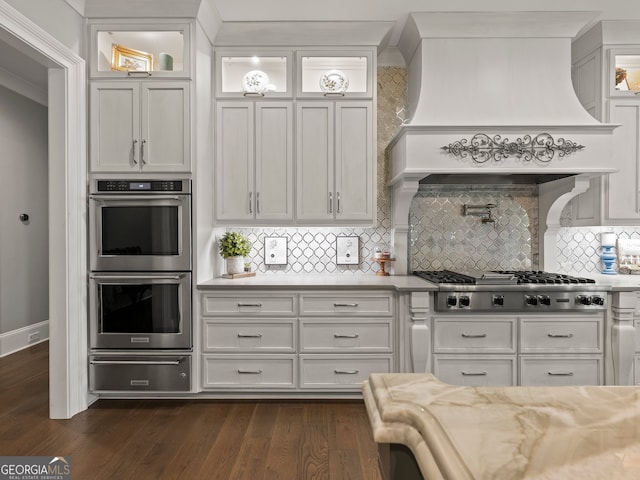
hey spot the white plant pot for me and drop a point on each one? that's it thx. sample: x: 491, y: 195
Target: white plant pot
x: 235, y: 264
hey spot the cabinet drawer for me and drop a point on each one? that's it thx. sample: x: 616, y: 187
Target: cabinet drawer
x: 133, y: 373
x: 262, y: 304
x: 336, y: 335
x: 340, y: 304
x: 249, y: 336
x: 250, y: 371
x: 341, y: 372
x: 475, y: 370
x: 474, y: 336
x: 555, y: 370
x: 561, y: 336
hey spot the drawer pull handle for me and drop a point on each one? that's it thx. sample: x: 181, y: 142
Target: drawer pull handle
x: 249, y: 372
x: 139, y: 383
x: 345, y: 304
x: 346, y: 372
x: 249, y: 304
x: 249, y: 335
x: 560, y: 335
x: 474, y: 335
x: 135, y: 362
x: 474, y: 374
x: 342, y: 335
x: 560, y: 374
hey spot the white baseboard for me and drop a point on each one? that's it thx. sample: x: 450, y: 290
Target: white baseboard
x: 22, y: 338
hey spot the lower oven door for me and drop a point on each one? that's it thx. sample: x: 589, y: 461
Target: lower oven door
x: 158, y: 373
x: 140, y: 311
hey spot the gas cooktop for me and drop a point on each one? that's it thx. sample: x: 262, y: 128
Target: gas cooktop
x: 513, y: 291
x: 501, y: 277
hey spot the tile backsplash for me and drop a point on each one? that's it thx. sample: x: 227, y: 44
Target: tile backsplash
x: 578, y: 248
x: 441, y: 237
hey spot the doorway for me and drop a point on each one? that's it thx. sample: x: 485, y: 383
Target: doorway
x: 67, y: 208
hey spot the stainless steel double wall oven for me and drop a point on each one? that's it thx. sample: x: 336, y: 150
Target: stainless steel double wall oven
x: 140, y: 287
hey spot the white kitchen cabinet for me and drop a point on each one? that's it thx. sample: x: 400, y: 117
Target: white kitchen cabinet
x: 606, y: 79
x: 622, y: 203
x: 511, y: 349
x: 476, y: 370
x: 134, y: 48
x: 254, y: 162
x: 324, y: 341
x: 334, y: 162
x: 242, y: 72
x: 140, y: 126
x: 335, y: 73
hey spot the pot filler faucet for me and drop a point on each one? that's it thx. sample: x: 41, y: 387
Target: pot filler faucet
x: 482, y: 211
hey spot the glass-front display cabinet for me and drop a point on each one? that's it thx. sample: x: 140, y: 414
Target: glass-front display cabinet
x: 253, y: 74
x: 140, y: 50
x: 625, y: 72
x: 335, y: 74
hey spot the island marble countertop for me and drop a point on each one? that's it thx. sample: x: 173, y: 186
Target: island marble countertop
x: 507, y: 433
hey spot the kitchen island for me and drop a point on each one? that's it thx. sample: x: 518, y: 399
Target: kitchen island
x: 504, y: 432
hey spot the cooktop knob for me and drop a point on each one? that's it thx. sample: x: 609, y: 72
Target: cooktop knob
x: 452, y: 301
x: 597, y: 300
x: 497, y: 300
x: 465, y: 301
x: 531, y: 300
x: 583, y: 300
x: 544, y: 300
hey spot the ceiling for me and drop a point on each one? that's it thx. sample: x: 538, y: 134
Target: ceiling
x: 397, y: 11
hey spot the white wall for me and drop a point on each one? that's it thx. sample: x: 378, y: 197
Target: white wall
x: 24, y: 260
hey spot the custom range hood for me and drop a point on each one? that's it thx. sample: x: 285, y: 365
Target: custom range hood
x: 490, y: 100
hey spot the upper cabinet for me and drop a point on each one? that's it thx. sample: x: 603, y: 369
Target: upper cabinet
x: 250, y: 73
x: 295, y: 136
x: 606, y: 78
x: 334, y: 74
x: 126, y: 49
x: 140, y: 126
x: 624, y: 72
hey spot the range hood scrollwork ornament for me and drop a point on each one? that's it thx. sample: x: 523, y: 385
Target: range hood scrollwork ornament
x: 541, y: 148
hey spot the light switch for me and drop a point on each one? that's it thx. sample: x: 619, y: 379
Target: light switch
x: 275, y: 251
x: 347, y: 250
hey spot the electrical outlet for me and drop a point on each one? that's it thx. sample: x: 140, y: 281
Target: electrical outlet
x: 34, y: 337
x: 347, y: 250
x: 275, y: 251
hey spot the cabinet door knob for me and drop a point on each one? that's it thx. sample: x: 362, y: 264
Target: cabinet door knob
x: 330, y: 202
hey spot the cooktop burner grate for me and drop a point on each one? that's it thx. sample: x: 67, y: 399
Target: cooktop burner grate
x: 523, y: 277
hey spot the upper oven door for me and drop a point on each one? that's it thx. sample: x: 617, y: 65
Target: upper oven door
x: 137, y: 232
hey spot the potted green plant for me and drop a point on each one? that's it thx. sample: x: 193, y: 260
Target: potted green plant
x: 234, y: 246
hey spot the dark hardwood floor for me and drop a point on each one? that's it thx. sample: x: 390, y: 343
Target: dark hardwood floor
x: 175, y: 439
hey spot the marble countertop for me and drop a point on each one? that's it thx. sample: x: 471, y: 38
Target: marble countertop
x: 395, y: 282
x: 506, y: 433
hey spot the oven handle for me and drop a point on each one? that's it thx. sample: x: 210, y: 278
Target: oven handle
x: 133, y: 197
x: 135, y: 362
x: 137, y: 277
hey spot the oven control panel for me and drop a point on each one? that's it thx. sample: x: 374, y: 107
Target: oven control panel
x: 141, y: 186
x: 545, y: 301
